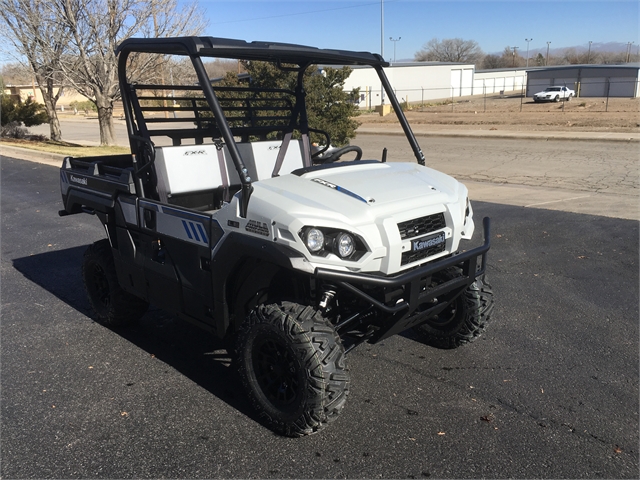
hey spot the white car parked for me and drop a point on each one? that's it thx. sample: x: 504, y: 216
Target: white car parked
x: 554, y: 94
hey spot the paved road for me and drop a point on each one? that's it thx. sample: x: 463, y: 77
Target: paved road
x: 550, y: 391
x: 85, y: 131
x: 594, y: 177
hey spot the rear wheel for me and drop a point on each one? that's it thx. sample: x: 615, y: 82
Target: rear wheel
x: 463, y: 320
x: 292, y: 365
x: 112, y: 305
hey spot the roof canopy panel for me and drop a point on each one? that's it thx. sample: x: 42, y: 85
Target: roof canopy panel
x: 242, y: 50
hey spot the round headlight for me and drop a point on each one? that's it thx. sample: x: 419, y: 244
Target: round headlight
x: 315, y: 240
x: 345, y: 245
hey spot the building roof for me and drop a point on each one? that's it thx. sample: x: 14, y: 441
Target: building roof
x: 630, y: 66
x: 417, y: 64
x: 509, y: 69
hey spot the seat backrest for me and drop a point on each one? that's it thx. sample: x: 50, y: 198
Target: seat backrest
x: 187, y: 168
x: 260, y: 159
x: 194, y: 168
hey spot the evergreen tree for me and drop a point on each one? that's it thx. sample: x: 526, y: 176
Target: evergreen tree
x: 329, y: 107
x: 29, y: 113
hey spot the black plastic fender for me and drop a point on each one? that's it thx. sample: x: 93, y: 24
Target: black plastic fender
x: 240, y: 257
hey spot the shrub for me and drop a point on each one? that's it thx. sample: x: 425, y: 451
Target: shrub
x: 85, y: 106
x: 30, y: 113
x: 13, y: 130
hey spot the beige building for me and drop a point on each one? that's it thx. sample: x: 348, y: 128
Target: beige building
x: 24, y: 92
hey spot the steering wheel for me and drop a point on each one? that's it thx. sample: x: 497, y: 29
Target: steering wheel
x: 336, y: 154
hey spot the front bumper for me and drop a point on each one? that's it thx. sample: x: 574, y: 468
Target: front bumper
x: 419, y: 301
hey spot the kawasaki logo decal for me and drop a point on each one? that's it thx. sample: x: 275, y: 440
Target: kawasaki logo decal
x: 81, y: 181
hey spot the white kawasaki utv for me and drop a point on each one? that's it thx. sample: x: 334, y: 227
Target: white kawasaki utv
x: 226, y: 215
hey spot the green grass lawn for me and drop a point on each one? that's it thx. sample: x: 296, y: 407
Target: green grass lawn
x: 63, y: 148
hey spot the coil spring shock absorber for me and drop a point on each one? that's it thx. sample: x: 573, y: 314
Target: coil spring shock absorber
x: 326, y: 299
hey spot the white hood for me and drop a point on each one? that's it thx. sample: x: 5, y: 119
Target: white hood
x: 367, y: 199
x: 366, y: 190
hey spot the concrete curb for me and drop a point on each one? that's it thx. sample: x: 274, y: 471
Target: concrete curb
x: 53, y: 159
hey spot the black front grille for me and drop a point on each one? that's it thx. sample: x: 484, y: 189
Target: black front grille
x: 421, y: 226
x: 409, y: 257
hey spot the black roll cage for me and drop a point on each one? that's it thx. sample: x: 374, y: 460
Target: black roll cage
x: 284, y: 55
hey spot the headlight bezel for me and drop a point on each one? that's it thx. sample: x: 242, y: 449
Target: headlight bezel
x: 332, y: 238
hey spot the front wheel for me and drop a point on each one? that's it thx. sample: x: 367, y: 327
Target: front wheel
x: 113, y: 306
x: 463, y: 320
x: 292, y: 365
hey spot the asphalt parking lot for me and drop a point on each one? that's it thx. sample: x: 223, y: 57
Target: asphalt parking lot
x: 550, y: 391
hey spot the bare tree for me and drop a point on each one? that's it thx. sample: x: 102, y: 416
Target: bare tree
x: 30, y: 26
x: 571, y: 56
x: 490, y: 62
x: 218, y: 68
x: 16, y: 73
x: 98, y: 26
x: 450, y: 50
x: 511, y: 58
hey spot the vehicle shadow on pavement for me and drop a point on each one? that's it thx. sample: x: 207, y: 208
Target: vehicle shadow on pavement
x: 201, y: 358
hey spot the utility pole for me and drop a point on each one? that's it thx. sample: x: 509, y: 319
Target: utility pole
x: 528, y: 40
x: 394, y: 46
x: 589, y: 53
x: 629, y: 50
x: 547, y: 62
x: 382, y: 28
x: 382, y: 44
x: 514, y: 56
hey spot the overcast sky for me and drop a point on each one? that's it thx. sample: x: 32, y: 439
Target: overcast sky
x: 355, y: 24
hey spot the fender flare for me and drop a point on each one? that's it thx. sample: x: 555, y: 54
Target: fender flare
x: 238, y: 258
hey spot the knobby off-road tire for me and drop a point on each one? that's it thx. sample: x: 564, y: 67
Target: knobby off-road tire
x: 113, y: 306
x: 464, y: 320
x: 292, y: 365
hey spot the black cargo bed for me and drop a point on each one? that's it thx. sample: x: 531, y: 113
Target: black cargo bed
x: 93, y: 183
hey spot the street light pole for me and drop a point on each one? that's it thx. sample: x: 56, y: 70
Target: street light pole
x: 528, y: 40
x: 394, y: 46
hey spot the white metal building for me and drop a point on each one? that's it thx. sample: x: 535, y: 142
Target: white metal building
x: 413, y: 82
x: 422, y: 82
x: 498, y: 80
x: 588, y: 80
x: 427, y: 81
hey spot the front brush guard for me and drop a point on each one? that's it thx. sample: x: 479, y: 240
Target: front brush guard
x: 419, y: 299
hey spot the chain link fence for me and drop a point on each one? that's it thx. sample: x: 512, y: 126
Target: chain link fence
x: 604, y: 96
